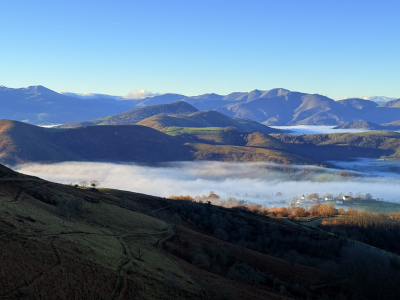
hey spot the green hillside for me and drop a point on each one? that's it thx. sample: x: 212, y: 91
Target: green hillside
x: 205, y: 119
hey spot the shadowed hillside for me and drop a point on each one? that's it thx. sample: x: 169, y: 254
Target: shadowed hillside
x: 73, y: 242
x: 20, y: 142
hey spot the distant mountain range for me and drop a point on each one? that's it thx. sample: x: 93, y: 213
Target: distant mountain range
x: 376, y: 99
x: 39, y: 105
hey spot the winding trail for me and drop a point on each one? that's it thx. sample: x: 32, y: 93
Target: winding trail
x: 121, y: 286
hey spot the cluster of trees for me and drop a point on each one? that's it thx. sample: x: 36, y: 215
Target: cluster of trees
x: 84, y: 183
x: 376, y: 229
x: 223, y: 261
x: 318, y: 210
x: 214, y: 199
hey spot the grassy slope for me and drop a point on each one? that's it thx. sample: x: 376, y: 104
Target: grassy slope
x: 205, y: 119
x: 95, y: 255
x: 246, y: 154
x: 175, y: 130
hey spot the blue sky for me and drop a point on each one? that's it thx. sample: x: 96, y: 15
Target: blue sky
x: 334, y: 48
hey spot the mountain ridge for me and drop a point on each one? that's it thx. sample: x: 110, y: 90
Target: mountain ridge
x: 39, y: 105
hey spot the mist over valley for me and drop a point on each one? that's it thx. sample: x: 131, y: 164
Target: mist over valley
x: 263, y: 183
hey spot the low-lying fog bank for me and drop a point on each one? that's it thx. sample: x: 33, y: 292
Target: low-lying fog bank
x: 255, y: 182
x: 315, y: 129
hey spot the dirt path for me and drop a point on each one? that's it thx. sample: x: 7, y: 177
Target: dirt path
x: 158, y: 209
x: 129, y: 259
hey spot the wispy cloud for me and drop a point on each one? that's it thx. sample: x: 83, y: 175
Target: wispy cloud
x: 140, y: 94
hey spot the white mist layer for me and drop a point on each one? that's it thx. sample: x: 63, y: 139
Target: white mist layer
x: 316, y: 129
x: 255, y: 182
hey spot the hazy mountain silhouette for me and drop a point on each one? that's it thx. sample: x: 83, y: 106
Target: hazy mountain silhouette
x: 39, y: 105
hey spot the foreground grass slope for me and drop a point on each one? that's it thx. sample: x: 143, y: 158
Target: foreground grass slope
x: 65, y: 242
x: 110, y: 246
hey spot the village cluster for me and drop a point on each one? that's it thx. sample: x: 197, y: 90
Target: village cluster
x: 315, y: 199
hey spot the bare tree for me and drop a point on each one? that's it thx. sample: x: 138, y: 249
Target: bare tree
x: 94, y: 183
x: 83, y: 183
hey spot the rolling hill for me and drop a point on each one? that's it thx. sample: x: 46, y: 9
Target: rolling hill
x: 21, y: 143
x: 205, y: 119
x: 136, y: 115
x: 345, y: 146
x: 360, y: 125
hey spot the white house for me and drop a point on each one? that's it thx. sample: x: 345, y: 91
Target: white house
x: 328, y: 198
x: 346, y: 198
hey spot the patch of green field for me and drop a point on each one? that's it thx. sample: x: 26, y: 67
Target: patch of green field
x: 174, y: 130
